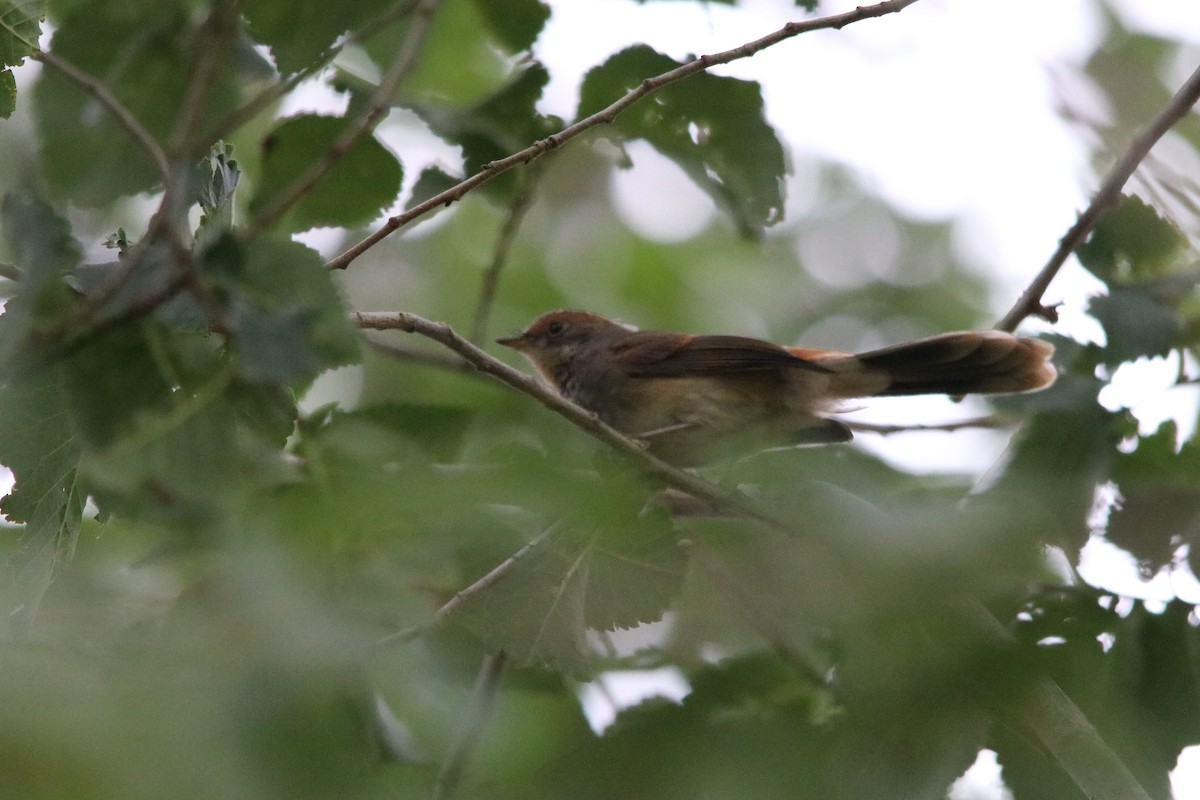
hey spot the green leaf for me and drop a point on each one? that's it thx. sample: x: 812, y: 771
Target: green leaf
x: 299, y: 32
x: 462, y: 61
x: 47, y: 252
x: 20, y: 28
x: 502, y: 124
x: 219, y: 182
x: 431, y: 182
x: 539, y: 611
x: 1137, y: 322
x: 288, y: 321
x: 515, y: 24
x: 364, y: 181
x: 713, y: 127
x: 39, y: 446
x: 144, y: 54
x: 1159, y: 506
x: 1130, y: 241
x: 8, y: 93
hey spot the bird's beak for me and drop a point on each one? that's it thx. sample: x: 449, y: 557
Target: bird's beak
x: 516, y: 341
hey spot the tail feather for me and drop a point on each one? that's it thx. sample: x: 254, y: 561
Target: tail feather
x: 982, y: 362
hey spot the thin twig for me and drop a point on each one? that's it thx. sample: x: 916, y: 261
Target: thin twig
x: 209, y: 49
x: 728, y: 499
x: 360, y: 127
x: 101, y: 93
x: 487, y: 686
x: 429, y: 358
x: 466, y: 593
x: 504, y: 239
x: 1030, y: 302
x: 991, y: 421
x: 607, y: 115
x: 264, y: 99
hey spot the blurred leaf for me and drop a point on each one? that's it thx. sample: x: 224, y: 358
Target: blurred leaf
x: 364, y: 181
x: 8, y: 93
x: 577, y: 579
x: 47, y: 252
x: 39, y: 446
x: 1159, y: 505
x: 498, y: 126
x: 713, y: 127
x: 431, y: 182
x: 464, y: 53
x: 299, y: 32
x: 1130, y: 241
x: 85, y: 153
x: 515, y: 24
x: 288, y: 322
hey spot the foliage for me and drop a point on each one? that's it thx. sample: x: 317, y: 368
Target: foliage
x: 213, y: 589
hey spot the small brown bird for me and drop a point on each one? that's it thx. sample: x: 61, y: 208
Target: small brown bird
x: 694, y: 398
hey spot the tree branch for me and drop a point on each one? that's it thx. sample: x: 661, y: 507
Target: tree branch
x: 377, y: 109
x: 607, y: 115
x: 992, y: 421
x: 124, y: 117
x: 1030, y: 302
x: 718, y: 497
x: 487, y: 686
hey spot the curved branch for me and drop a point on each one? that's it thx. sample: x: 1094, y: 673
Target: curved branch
x: 607, y: 115
x: 1030, y: 302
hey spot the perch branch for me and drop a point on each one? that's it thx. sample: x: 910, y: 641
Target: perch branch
x: 1030, y: 302
x: 442, y: 333
x: 607, y: 115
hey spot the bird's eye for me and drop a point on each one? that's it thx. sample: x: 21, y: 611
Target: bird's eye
x: 556, y: 328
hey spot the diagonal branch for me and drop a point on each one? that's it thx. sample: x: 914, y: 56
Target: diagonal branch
x: 718, y: 497
x: 104, y: 96
x: 1030, y: 302
x: 607, y: 115
x: 360, y: 127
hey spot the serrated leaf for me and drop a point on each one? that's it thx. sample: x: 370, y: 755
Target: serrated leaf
x: 539, y: 611
x: 39, y: 446
x: 1130, y: 241
x: 363, y: 183
x: 20, y: 28
x: 1159, y: 505
x: 713, y: 127
x: 288, y: 321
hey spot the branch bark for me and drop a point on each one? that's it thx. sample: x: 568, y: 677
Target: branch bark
x: 1030, y: 302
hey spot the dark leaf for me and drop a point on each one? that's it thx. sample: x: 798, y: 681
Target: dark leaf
x: 713, y: 127
x: 514, y: 23
x: 288, y: 321
x: 1130, y: 241
x: 364, y: 181
x: 299, y: 32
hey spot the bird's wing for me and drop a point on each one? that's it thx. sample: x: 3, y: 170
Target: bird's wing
x: 658, y: 356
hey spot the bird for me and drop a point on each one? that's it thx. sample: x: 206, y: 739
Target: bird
x: 697, y: 398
